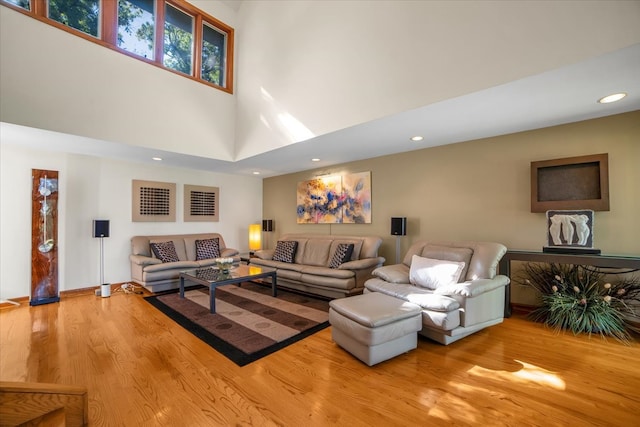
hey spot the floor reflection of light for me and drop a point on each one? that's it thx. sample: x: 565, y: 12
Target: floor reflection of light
x: 527, y: 374
x: 436, y: 400
x: 439, y: 403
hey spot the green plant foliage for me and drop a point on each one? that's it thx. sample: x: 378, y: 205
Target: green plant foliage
x: 576, y: 298
x: 83, y: 15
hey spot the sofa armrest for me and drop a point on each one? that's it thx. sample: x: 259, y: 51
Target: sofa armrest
x: 396, y: 273
x: 144, y: 260
x: 264, y: 253
x: 361, y: 264
x: 473, y: 288
x: 229, y: 252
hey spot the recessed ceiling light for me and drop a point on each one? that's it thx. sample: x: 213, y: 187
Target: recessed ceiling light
x: 416, y: 138
x: 157, y: 159
x: 612, y: 98
x: 315, y: 160
x: 256, y: 173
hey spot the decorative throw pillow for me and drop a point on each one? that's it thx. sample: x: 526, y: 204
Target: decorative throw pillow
x: 431, y: 273
x: 341, y: 255
x: 207, y: 249
x: 165, y: 251
x: 285, y: 250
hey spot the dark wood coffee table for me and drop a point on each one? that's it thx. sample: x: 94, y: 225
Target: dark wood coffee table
x: 212, y: 277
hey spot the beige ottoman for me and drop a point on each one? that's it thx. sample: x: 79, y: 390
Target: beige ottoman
x: 375, y: 327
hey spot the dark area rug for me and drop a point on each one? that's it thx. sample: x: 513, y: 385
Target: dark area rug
x: 249, y: 323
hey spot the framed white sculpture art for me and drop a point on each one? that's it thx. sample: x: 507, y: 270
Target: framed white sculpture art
x: 570, y: 231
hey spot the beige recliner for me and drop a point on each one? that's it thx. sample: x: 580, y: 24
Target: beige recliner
x: 454, y: 283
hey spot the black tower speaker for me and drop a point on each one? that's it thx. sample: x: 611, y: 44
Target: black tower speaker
x: 100, y: 228
x: 267, y: 225
x: 399, y: 226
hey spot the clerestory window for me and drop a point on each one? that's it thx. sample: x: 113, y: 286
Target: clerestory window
x: 171, y: 34
x: 137, y: 27
x: 214, y: 47
x: 24, y: 4
x: 82, y: 15
x: 178, y: 40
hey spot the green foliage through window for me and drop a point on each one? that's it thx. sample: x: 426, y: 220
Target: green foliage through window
x: 213, y: 48
x: 136, y: 27
x: 83, y: 15
x: 178, y: 40
x: 25, y: 4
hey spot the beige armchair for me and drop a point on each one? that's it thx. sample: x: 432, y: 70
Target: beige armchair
x: 454, y: 283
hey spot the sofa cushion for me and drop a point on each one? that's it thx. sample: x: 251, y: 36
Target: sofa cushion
x: 207, y: 249
x: 341, y: 255
x: 423, y: 297
x: 285, y: 250
x: 394, y: 273
x: 178, y: 244
x: 357, y: 246
x: 165, y: 251
x: 327, y: 272
x: 314, y: 252
x: 442, y: 320
x: 432, y: 273
x: 279, y: 265
x: 341, y: 283
x: 449, y: 253
x: 175, y: 267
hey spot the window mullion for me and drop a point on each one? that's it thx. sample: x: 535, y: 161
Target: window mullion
x: 110, y: 21
x: 159, y: 41
x: 197, y: 47
x: 39, y: 8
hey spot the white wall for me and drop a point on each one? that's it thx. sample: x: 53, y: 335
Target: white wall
x: 50, y: 79
x: 303, y: 68
x: 97, y: 188
x: 308, y: 68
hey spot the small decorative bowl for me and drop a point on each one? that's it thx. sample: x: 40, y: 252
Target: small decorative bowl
x: 224, y: 264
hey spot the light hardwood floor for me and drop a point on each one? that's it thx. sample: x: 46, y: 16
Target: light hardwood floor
x: 142, y: 369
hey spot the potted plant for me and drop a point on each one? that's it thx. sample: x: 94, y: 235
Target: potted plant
x: 577, y: 298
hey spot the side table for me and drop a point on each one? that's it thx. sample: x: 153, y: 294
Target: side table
x: 605, y: 261
x: 246, y: 257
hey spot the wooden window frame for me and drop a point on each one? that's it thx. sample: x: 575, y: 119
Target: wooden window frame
x: 109, y: 31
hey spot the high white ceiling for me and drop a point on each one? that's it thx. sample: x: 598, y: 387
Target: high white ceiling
x: 564, y: 95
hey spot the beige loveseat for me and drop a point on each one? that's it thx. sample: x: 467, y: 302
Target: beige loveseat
x: 451, y: 311
x: 149, y: 271
x: 310, y: 271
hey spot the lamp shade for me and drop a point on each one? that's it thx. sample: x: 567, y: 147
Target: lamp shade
x: 255, y: 234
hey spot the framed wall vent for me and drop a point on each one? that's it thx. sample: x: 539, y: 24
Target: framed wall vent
x: 571, y: 183
x: 201, y: 203
x: 153, y: 201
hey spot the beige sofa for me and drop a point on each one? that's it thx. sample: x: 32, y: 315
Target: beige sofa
x: 310, y: 271
x: 451, y: 311
x: 149, y: 271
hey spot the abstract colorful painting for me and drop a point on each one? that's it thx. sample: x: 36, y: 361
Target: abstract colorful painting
x: 335, y: 199
x: 319, y: 200
x: 356, y: 191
